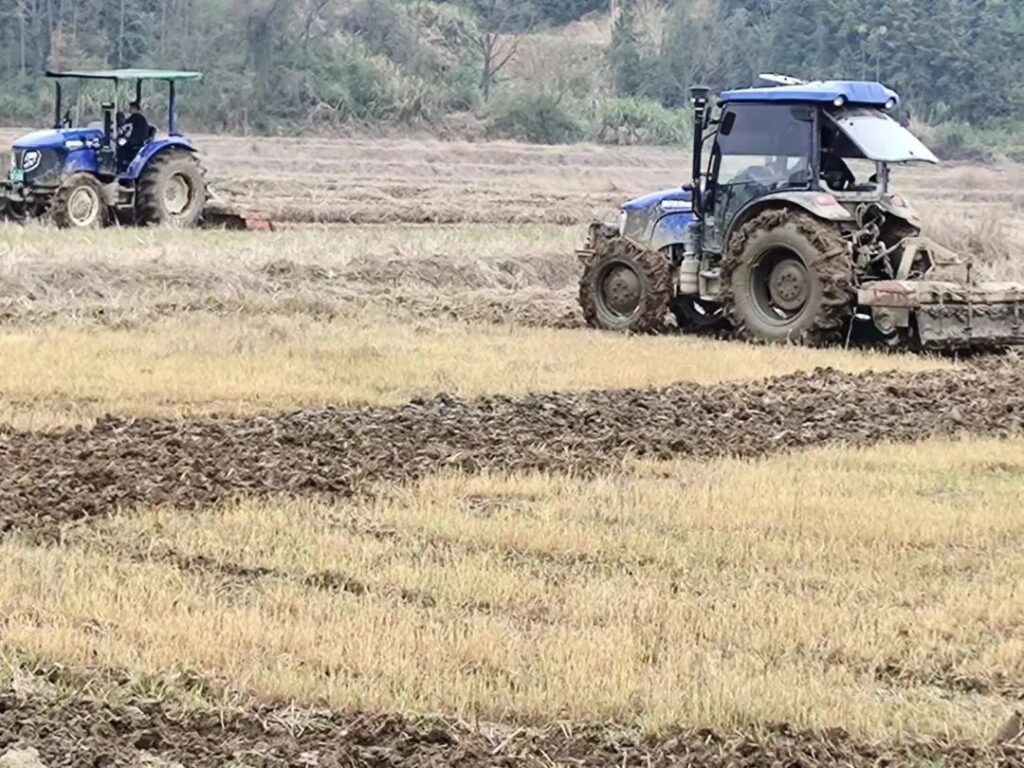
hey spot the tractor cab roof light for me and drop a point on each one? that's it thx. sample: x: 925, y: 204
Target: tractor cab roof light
x: 891, y: 104
x: 840, y: 101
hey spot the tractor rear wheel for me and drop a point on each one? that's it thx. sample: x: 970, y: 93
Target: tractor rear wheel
x: 787, y: 277
x: 626, y: 287
x: 79, y: 204
x: 171, y: 191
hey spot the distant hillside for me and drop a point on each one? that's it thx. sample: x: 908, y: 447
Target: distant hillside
x: 537, y: 70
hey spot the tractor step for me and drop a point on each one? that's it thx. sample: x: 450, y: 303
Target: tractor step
x: 949, y: 315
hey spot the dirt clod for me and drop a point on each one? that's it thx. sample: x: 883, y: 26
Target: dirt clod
x: 21, y: 758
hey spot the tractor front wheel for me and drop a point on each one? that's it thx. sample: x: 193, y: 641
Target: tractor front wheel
x: 79, y: 204
x: 787, y: 277
x: 626, y: 287
x: 171, y: 191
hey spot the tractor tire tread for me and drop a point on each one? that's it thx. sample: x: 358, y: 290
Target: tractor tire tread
x: 651, y: 318
x: 149, y: 211
x: 57, y: 211
x: 832, y: 265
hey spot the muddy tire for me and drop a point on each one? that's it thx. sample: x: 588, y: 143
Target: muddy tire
x: 171, y: 191
x: 626, y: 288
x: 79, y: 204
x: 787, y: 278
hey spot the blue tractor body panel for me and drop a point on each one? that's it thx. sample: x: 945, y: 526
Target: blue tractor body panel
x: 660, y: 219
x: 48, y: 157
x: 851, y: 91
x: 81, y: 161
x: 151, y: 150
x: 671, y: 230
x: 66, y: 138
x: 44, y: 158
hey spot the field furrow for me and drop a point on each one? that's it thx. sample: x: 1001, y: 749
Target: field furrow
x: 125, y: 462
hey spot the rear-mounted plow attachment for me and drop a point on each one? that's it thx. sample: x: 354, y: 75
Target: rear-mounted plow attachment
x: 940, y: 312
x: 218, y: 214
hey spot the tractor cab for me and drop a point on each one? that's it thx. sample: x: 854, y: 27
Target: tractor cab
x: 818, y: 145
x: 84, y: 175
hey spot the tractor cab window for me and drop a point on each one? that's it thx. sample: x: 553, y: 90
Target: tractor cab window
x: 857, y: 143
x: 872, y: 134
x: 760, y: 149
x: 773, y: 172
x: 843, y: 167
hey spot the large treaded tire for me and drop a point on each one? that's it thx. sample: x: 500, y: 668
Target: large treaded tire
x: 654, y: 274
x: 79, y: 204
x: 171, y: 166
x: 828, y: 311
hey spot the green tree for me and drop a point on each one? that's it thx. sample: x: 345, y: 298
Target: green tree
x: 626, y: 55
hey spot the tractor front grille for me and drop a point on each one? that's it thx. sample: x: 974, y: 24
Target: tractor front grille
x: 42, y: 167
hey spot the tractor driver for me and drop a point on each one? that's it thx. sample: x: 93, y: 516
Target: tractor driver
x: 834, y: 170
x: 132, y: 134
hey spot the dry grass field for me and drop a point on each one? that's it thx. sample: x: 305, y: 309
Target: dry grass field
x: 879, y: 589
x: 363, y: 491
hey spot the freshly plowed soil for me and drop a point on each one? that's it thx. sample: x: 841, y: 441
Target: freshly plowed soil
x: 52, y: 478
x: 90, y: 734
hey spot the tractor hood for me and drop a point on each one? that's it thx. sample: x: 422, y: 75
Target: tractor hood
x: 66, y: 138
x: 677, y: 199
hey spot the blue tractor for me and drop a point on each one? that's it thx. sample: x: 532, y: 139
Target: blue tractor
x: 789, y: 232
x: 82, y: 177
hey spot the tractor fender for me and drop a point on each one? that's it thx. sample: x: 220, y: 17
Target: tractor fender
x: 670, y: 229
x: 81, y: 161
x: 154, y: 148
x: 821, y: 205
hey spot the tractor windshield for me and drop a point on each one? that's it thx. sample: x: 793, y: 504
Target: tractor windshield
x: 871, y: 134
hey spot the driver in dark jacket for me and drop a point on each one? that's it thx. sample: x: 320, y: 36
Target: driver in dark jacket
x: 834, y: 170
x: 132, y: 134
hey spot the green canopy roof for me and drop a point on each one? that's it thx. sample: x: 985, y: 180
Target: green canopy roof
x: 169, y: 76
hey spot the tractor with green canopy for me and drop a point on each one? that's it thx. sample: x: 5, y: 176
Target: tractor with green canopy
x: 87, y: 176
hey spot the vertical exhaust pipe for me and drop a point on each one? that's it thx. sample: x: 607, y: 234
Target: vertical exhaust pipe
x: 58, y: 118
x: 699, y: 97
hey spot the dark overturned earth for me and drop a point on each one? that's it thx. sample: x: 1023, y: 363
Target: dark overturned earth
x: 49, y: 479
x: 80, y: 733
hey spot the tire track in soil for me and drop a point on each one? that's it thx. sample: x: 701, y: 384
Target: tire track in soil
x: 77, y: 733
x: 50, y: 479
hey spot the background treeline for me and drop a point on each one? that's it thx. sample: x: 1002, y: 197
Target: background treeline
x: 540, y: 70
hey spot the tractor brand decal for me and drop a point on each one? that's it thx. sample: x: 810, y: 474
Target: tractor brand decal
x: 31, y: 160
